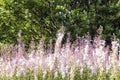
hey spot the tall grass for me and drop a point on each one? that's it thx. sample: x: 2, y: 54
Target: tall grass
x: 84, y: 59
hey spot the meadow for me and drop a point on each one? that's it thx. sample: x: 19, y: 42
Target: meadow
x: 84, y: 59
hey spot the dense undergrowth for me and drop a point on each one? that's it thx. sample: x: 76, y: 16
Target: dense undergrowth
x: 78, y: 75
x: 84, y: 59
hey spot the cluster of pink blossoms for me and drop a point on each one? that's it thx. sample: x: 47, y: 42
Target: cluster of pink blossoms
x: 64, y: 58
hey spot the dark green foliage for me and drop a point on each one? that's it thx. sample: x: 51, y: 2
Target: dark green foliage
x: 42, y: 18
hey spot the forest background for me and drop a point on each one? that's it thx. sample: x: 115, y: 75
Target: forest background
x: 42, y: 19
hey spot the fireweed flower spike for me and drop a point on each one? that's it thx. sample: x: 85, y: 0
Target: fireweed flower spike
x: 58, y: 44
x: 114, y: 60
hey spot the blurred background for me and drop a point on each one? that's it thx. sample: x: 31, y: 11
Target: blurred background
x: 43, y: 18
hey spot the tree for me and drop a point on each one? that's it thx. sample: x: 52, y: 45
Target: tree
x: 42, y: 18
